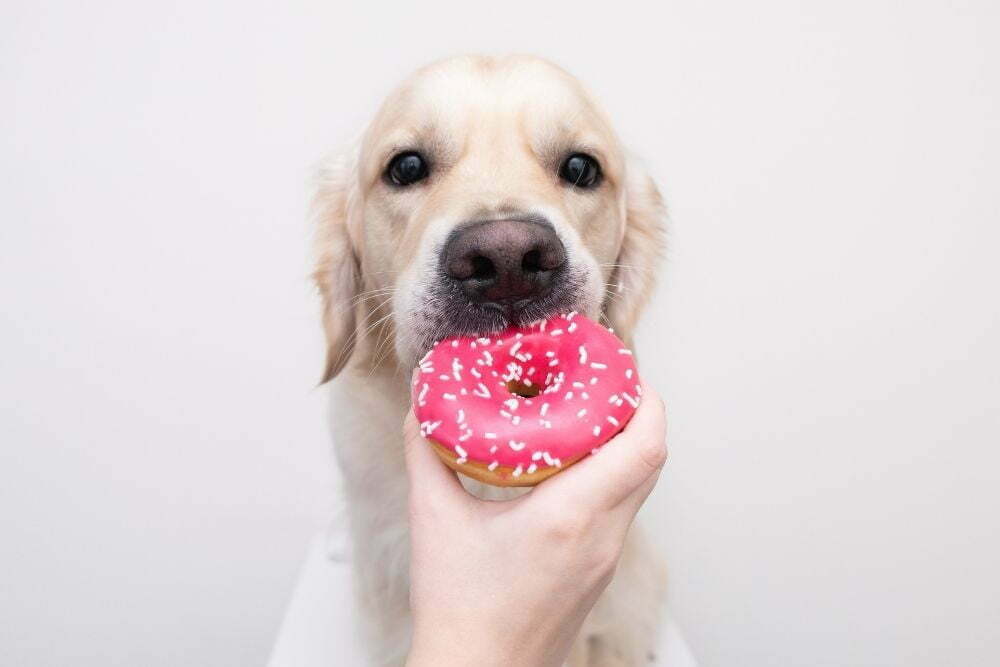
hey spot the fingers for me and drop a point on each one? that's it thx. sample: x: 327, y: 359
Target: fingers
x: 625, y: 468
x: 432, y: 483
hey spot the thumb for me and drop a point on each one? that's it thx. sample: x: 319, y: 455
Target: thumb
x: 626, y: 466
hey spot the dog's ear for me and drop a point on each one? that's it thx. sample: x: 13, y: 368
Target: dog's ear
x: 632, y: 278
x: 338, y: 270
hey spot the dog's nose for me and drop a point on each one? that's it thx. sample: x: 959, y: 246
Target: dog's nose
x: 504, y: 261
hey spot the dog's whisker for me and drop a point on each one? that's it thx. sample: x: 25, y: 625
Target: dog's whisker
x: 359, y: 333
x: 644, y: 272
x: 365, y: 296
x: 379, y: 358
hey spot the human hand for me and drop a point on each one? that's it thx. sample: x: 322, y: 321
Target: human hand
x: 511, y: 582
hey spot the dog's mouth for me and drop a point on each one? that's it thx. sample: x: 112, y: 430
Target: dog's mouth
x: 447, y: 312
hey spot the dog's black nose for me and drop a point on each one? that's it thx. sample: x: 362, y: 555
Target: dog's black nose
x: 504, y: 261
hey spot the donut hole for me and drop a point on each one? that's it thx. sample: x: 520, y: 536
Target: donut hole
x: 523, y: 390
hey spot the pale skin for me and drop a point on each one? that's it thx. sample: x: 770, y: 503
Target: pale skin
x: 511, y: 582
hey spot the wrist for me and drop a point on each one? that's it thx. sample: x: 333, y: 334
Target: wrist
x: 438, y: 649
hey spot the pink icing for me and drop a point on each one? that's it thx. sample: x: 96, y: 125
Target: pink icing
x: 587, y: 378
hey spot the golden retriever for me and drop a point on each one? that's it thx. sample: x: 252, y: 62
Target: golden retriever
x: 486, y: 192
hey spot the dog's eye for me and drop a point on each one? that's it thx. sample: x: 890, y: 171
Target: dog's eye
x: 581, y: 170
x: 407, y: 169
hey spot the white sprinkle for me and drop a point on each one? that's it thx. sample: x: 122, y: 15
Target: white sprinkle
x: 634, y: 403
x: 547, y: 424
x: 493, y: 466
x: 550, y: 354
x: 423, y: 394
x: 554, y: 362
x: 583, y: 354
x: 462, y: 391
x: 515, y: 445
x: 456, y: 369
x: 484, y: 341
x: 517, y: 471
x: 444, y: 377
x: 488, y: 357
x: 531, y: 371
x: 461, y: 416
x: 518, y: 336
x: 449, y: 397
x: 622, y: 350
x: 454, y: 343
x: 545, y: 408
x: 490, y: 436
x: 504, y: 413
x: 541, y: 327
x: 461, y: 451
x: 582, y: 412
x: 548, y: 459
x: 613, y: 398
x: 516, y: 420
x: 568, y: 396
x: 638, y: 390
x: 481, y: 391
x: 532, y: 468
x: 578, y: 385
x: 511, y: 403
x: 527, y: 382
x: 431, y: 426
x: 424, y: 358
x: 613, y: 421
x: 514, y: 348
x: 426, y: 369
x: 593, y: 380
x: 572, y: 327
x: 465, y: 436
x: 571, y: 315
x: 556, y: 332
x: 536, y: 456
x: 597, y: 431
x: 598, y: 366
x: 584, y: 395
x: 628, y: 373
x: 475, y: 373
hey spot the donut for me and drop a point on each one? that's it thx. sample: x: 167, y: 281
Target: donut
x: 516, y: 407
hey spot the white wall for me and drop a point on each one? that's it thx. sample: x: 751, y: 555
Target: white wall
x: 827, y: 334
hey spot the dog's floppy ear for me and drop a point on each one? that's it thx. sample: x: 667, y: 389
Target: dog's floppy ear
x: 642, y: 246
x: 338, y: 270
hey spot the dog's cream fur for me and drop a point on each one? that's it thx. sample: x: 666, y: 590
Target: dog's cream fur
x: 495, y: 130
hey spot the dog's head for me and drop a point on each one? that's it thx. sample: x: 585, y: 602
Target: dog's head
x: 486, y: 192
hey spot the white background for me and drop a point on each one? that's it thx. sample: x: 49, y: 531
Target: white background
x: 826, y: 333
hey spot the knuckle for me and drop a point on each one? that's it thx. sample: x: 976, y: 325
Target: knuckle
x: 603, y: 560
x: 567, y: 526
x: 653, y: 451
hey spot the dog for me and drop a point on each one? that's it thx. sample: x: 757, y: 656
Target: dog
x: 510, y: 161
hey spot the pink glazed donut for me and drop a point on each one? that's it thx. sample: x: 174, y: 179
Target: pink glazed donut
x: 517, y: 407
